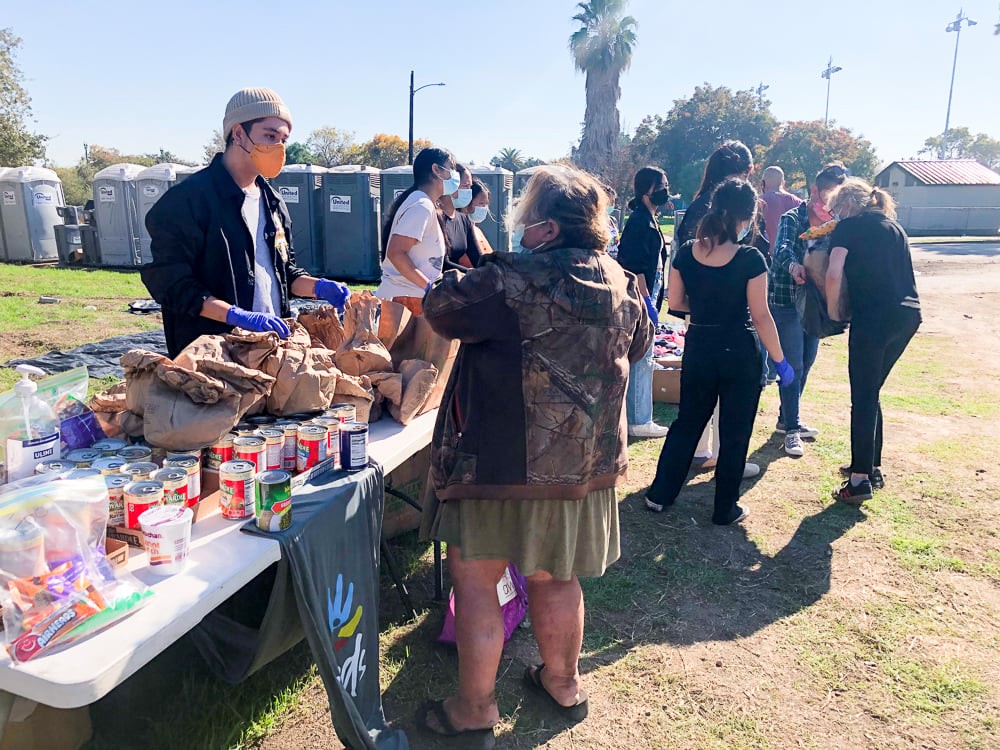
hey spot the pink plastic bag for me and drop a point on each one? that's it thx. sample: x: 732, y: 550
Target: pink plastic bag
x: 512, y: 592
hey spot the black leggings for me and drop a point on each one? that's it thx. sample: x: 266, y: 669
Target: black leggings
x: 723, y: 366
x: 875, y: 345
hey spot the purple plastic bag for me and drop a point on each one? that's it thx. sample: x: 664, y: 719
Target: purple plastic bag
x: 512, y: 591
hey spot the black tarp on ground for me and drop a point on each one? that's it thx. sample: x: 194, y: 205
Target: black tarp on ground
x: 101, y: 358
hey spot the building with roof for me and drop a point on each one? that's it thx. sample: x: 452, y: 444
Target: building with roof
x: 944, y: 196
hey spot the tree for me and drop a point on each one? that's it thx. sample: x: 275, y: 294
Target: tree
x: 216, y: 145
x: 18, y: 145
x: 76, y: 190
x: 299, y: 153
x: 602, y: 50
x: 695, y: 127
x: 961, y: 144
x: 384, y: 151
x: 512, y: 159
x: 331, y: 147
x: 802, y: 148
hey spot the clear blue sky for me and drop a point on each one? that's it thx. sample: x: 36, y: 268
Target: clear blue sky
x: 141, y: 76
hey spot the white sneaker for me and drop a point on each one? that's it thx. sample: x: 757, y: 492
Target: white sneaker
x: 648, y: 430
x: 793, y: 444
x: 750, y: 470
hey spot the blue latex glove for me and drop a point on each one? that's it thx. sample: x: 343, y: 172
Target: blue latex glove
x: 429, y: 285
x: 651, y: 309
x: 257, y: 321
x: 786, y: 375
x: 333, y: 292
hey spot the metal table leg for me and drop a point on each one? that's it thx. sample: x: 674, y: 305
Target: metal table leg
x: 438, y: 565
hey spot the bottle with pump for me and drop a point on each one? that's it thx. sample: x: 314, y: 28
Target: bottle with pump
x: 29, y: 428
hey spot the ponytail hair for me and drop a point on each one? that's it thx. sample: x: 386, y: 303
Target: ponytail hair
x: 645, y: 178
x: 730, y: 159
x: 733, y: 202
x: 423, y: 172
x: 860, y: 196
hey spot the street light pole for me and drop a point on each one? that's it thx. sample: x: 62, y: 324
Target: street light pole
x: 412, y: 92
x: 955, y: 26
x: 828, y: 75
x: 760, y: 93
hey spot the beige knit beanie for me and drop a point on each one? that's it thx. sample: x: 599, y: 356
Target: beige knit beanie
x: 251, y: 104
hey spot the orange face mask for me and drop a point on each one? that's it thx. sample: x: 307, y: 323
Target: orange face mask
x: 269, y: 159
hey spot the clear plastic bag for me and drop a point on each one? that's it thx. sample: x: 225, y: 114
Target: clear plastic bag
x: 56, y: 584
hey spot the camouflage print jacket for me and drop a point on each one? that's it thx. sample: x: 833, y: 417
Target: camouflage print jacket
x: 533, y: 408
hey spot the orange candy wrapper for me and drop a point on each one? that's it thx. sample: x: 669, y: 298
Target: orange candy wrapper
x: 823, y: 230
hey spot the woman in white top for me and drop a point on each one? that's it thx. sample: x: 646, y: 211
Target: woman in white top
x: 413, y: 244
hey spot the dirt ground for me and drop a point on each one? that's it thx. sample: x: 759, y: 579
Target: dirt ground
x: 810, y: 626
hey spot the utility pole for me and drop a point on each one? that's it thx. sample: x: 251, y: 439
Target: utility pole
x: 955, y: 26
x: 828, y: 75
x: 412, y: 92
x: 760, y: 94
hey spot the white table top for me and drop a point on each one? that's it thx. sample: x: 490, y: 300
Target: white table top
x: 88, y: 670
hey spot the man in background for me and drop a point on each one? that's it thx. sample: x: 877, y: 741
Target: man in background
x: 777, y: 202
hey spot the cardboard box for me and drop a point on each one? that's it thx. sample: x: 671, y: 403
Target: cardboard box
x: 409, y: 478
x: 117, y: 552
x: 46, y: 728
x: 667, y: 383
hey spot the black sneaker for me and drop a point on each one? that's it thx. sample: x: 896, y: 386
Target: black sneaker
x: 655, y: 506
x: 876, y: 478
x: 737, y: 514
x: 854, y: 494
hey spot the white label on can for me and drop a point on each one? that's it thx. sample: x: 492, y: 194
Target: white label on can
x: 340, y: 204
x: 358, y: 458
x: 150, y: 191
x: 106, y: 194
x: 289, y: 194
x: 9, y: 198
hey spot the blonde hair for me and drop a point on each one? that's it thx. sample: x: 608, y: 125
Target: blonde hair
x: 572, y: 198
x: 861, y: 196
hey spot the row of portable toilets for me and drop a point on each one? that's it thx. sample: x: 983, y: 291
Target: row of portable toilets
x: 336, y: 214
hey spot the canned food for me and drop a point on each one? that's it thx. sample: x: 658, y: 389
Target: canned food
x: 274, y: 500
x: 109, y: 465
x: 220, y: 452
x: 108, y: 446
x: 136, y: 453
x: 332, y: 425
x: 353, y: 446
x: 261, y: 420
x: 83, y: 457
x: 140, y: 497
x: 244, y: 429
x: 175, y: 485
x: 54, y: 466
x: 116, y: 497
x: 251, y: 448
x: 311, y: 447
x: 138, y: 470
x: 290, y: 445
x: 191, y: 464
x: 237, y: 489
x: 274, y: 441
x: 343, y: 412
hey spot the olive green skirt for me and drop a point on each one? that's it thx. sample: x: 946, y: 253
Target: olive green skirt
x: 560, y: 537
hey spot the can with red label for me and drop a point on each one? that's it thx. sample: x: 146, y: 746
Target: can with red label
x: 175, y: 485
x: 332, y: 425
x: 238, y: 492
x: 138, y: 470
x: 354, y: 446
x: 274, y: 446
x: 343, y: 412
x: 191, y: 464
x: 291, y: 430
x: 220, y: 452
x: 311, y: 446
x: 251, y: 448
x: 140, y: 497
x: 116, y: 498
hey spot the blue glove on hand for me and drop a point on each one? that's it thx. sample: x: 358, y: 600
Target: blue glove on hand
x: 257, y: 321
x: 651, y: 309
x: 429, y: 285
x: 786, y: 375
x: 333, y: 292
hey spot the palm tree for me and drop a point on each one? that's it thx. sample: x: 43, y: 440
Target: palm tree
x: 602, y: 50
x: 508, y: 158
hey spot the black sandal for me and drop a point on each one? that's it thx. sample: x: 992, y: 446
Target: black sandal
x: 577, y: 712
x: 471, y: 738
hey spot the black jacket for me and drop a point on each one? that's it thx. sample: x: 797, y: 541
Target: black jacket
x: 202, y: 248
x: 641, y: 245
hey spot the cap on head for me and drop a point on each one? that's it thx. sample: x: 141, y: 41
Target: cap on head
x: 251, y: 104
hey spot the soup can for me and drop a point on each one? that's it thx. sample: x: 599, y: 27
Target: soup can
x: 238, y: 491
x: 343, y: 412
x: 244, y: 429
x: 274, y: 446
x: 108, y: 446
x: 291, y: 430
x: 175, y: 485
x: 261, y: 420
x: 311, y: 447
x: 251, y: 448
x: 133, y: 453
x: 138, y: 470
x: 54, y: 466
x: 274, y: 500
x: 332, y: 425
x: 82, y: 457
x: 220, y: 452
x: 140, y: 497
x: 353, y: 446
x: 116, y: 497
x: 109, y: 465
x: 191, y: 464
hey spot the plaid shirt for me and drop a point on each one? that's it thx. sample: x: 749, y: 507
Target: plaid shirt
x: 788, y: 249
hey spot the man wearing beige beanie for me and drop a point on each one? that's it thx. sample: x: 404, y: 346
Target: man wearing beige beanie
x: 221, y: 240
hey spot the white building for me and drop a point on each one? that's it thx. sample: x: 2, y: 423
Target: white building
x: 944, y: 197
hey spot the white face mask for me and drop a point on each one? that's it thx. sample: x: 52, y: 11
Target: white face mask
x: 518, y: 236
x: 479, y: 214
x: 463, y: 198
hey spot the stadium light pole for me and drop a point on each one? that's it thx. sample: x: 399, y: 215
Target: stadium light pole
x: 760, y: 93
x: 412, y: 92
x: 828, y: 75
x: 955, y: 26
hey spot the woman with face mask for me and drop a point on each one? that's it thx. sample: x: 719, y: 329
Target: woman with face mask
x: 530, y: 440
x: 722, y: 284
x: 413, y: 244
x: 459, y: 231
x: 478, y: 210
